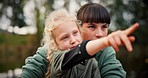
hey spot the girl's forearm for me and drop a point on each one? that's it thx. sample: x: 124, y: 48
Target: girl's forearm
x: 92, y: 47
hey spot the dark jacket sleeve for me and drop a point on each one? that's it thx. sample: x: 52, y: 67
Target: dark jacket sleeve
x: 35, y: 66
x: 109, y: 65
x: 75, y: 56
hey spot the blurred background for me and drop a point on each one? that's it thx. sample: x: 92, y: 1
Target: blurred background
x: 22, y: 23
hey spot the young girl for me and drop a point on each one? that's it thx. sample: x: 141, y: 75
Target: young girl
x: 61, y: 34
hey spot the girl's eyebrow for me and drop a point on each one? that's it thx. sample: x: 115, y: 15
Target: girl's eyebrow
x: 63, y: 35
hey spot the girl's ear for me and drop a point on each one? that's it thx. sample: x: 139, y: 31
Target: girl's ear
x: 54, y: 45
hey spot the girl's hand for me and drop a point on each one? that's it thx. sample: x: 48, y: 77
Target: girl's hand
x: 121, y: 37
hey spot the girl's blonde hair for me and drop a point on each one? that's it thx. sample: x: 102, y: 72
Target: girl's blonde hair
x: 53, y: 20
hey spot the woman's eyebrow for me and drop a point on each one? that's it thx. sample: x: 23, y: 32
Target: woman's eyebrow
x: 91, y: 23
x: 104, y: 24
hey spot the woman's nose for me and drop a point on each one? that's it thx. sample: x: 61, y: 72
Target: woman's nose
x: 99, y: 33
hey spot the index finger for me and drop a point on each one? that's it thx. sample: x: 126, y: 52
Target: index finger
x: 131, y: 29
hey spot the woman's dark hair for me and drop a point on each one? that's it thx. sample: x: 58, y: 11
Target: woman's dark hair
x: 93, y: 13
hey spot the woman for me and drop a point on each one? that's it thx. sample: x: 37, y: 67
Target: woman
x: 95, y: 23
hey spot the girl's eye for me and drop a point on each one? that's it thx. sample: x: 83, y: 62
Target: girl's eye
x: 64, y: 38
x: 75, y: 32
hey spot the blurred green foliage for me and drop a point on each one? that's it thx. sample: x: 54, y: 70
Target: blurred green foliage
x: 14, y: 49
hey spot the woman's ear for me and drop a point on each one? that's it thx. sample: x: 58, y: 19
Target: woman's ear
x: 79, y: 23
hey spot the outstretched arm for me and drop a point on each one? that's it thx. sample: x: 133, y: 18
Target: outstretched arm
x: 115, y: 39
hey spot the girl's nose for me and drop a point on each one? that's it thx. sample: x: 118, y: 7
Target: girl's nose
x: 73, y: 40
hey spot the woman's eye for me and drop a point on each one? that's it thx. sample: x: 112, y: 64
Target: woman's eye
x: 104, y: 26
x: 92, y: 27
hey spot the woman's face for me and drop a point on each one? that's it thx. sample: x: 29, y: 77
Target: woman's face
x: 91, y: 31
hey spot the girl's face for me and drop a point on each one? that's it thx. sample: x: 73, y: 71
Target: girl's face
x: 91, y: 31
x: 67, y: 35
